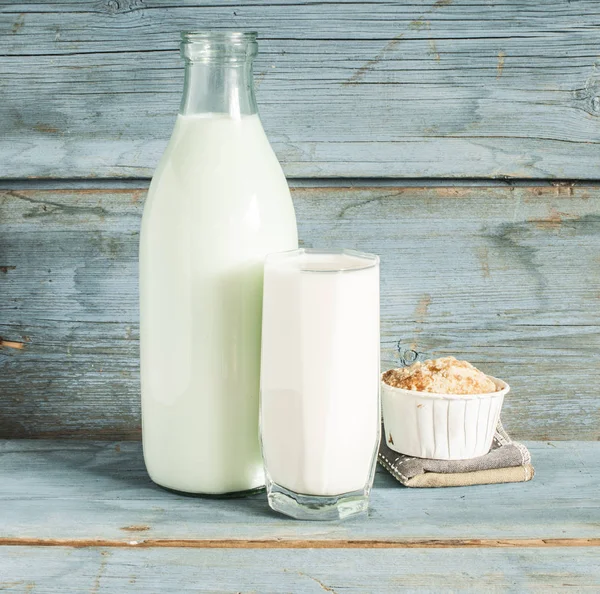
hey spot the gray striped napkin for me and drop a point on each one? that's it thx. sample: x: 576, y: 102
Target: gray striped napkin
x: 508, y: 461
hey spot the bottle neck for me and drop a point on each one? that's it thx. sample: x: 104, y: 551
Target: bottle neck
x: 218, y: 87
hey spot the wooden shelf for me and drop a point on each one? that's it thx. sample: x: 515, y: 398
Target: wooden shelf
x: 84, y: 516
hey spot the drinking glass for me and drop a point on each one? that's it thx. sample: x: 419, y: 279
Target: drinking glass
x: 319, y: 402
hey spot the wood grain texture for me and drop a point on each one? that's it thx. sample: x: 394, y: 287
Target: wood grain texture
x: 346, y: 89
x: 95, y: 493
x: 98, y: 570
x: 507, y: 278
x: 84, y: 517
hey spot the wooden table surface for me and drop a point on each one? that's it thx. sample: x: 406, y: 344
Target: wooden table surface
x: 85, y: 517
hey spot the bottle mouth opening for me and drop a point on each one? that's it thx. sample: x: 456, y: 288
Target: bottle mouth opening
x: 226, y: 46
x: 191, y: 36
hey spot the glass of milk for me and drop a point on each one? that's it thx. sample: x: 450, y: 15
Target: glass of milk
x: 319, y: 407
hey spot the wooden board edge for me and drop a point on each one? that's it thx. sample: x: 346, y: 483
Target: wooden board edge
x: 462, y: 543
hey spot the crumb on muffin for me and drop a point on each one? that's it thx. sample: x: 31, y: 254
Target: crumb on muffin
x: 446, y: 375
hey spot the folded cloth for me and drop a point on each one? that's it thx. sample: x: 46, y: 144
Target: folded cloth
x: 507, y: 462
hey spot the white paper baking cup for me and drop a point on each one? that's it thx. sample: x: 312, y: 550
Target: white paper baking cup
x: 441, y: 426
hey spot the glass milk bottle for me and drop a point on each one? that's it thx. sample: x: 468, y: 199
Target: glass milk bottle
x: 217, y: 204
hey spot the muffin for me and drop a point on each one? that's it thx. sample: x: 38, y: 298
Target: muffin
x: 441, y: 408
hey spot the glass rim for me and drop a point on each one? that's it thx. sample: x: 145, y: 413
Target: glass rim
x: 204, y: 35
x: 225, y: 47
x: 370, y: 260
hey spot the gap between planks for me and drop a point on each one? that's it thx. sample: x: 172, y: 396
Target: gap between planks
x: 456, y: 543
x: 124, y: 183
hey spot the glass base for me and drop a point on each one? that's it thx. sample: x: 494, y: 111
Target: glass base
x: 316, y: 507
x: 230, y: 495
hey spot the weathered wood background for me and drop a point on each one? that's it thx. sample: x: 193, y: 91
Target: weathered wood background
x: 424, y: 95
x: 506, y: 277
x: 349, y: 89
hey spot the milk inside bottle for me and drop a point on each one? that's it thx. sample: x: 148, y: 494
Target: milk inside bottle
x: 217, y: 204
